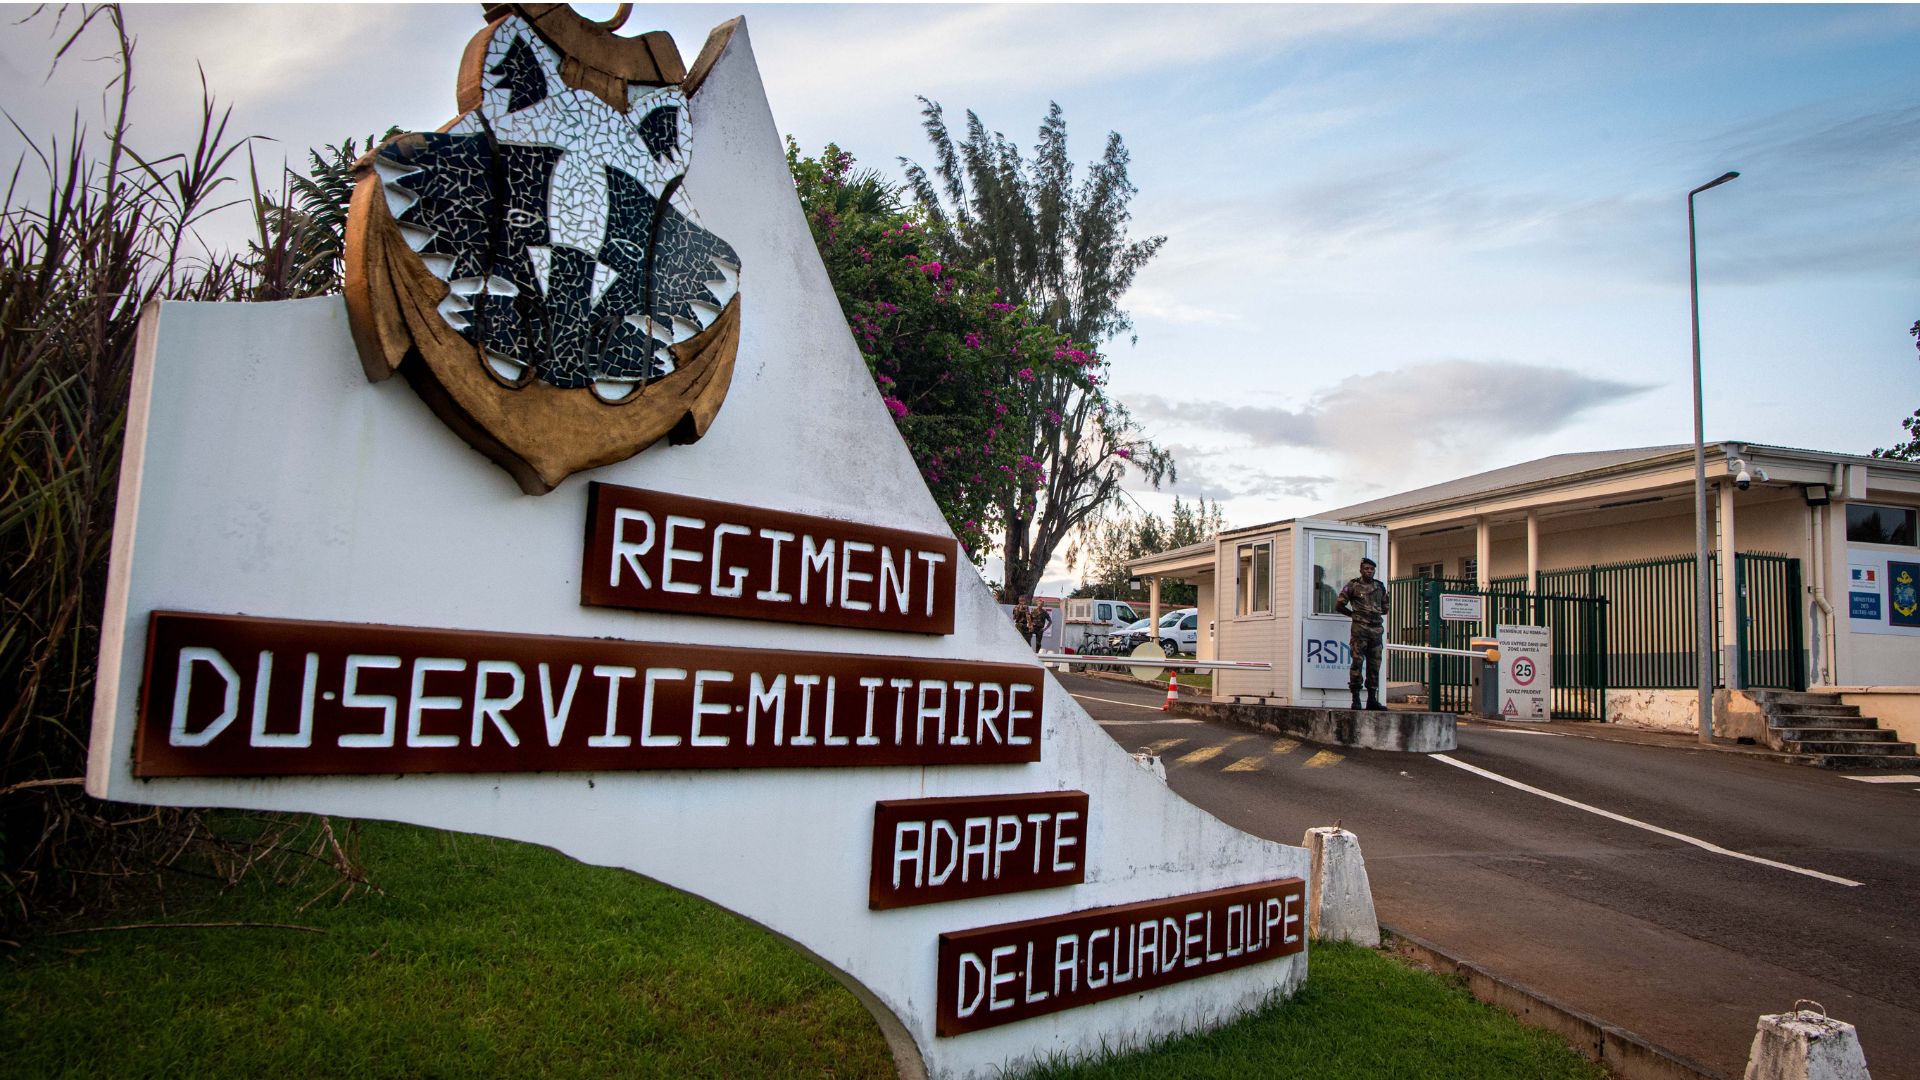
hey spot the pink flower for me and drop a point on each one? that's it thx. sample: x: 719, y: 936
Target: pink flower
x: 1053, y: 417
x: 1125, y: 453
x: 1025, y: 374
x: 931, y: 269
x: 895, y: 406
x: 973, y: 340
x: 884, y: 308
x: 1001, y: 308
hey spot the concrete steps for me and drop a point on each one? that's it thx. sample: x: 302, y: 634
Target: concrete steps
x: 1816, y: 729
x: 1836, y: 723
x: 1807, y: 708
x: 1855, y: 735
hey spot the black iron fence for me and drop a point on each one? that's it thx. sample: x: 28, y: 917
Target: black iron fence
x: 1644, y: 637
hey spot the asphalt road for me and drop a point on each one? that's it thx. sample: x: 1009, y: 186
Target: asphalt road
x: 1684, y: 945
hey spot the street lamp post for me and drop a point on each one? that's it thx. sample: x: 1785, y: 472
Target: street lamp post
x: 1703, y: 598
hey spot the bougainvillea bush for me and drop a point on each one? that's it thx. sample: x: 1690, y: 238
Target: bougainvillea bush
x: 965, y: 374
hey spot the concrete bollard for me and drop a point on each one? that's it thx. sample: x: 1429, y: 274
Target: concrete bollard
x: 1805, y: 1045
x: 1339, y: 897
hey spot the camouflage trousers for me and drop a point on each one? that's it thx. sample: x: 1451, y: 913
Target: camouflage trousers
x: 1366, y: 643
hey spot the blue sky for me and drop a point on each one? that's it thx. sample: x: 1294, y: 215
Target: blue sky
x: 1404, y: 243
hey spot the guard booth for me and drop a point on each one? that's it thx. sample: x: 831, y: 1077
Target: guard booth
x: 1266, y: 593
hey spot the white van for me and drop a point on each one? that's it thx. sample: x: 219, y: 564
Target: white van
x: 1091, y: 620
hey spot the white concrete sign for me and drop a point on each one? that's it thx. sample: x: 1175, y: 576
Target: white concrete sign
x: 1462, y: 607
x: 345, y: 609
x: 1526, y: 672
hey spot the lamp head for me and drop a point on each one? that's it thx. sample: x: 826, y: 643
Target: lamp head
x: 1714, y: 183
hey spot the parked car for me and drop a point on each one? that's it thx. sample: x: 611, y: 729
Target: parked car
x: 1178, y: 633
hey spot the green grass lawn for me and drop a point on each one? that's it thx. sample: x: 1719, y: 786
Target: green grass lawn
x: 1362, y: 1016
x: 484, y: 958
x: 489, y: 958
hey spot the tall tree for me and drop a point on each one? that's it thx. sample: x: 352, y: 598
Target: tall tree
x: 1107, y: 547
x: 1910, y: 449
x: 1063, y: 250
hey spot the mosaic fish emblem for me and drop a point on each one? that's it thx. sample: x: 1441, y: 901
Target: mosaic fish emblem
x: 540, y: 258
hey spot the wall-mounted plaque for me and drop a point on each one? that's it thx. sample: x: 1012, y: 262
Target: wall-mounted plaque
x: 657, y: 552
x: 238, y: 696
x: 929, y: 850
x: 998, y: 974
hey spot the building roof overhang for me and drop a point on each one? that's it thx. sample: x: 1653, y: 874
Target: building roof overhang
x: 1603, y: 479
x: 1182, y: 562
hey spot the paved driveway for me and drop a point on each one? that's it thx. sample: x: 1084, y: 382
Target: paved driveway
x: 1675, y: 892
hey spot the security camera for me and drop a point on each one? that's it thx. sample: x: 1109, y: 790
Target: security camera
x: 1743, y: 477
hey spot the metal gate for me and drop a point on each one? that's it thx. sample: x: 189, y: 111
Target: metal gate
x: 1579, y: 626
x: 1770, y: 621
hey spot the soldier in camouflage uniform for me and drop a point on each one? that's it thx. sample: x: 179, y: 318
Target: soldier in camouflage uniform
x: 1364, y: 600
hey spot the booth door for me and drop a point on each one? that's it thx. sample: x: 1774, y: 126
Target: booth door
x: 1330, y: 558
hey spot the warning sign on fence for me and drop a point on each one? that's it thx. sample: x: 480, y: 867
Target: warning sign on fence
x: 1526, y: 672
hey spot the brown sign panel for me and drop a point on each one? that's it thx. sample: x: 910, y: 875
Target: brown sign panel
x: 929, y: 850
x: 658, y: 552
x: 999, y: 974
x: 239, y: 696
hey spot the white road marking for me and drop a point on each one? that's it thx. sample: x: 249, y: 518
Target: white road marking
x: 1897, y: 778
x: 1526, y: 731
x: 1147, y: 723
x: 1625, y: 820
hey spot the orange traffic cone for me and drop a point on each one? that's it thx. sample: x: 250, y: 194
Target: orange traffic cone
x: 1173, y: 691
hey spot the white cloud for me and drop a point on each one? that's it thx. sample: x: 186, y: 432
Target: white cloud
x: 1146, y: 303
x: 1449, y: 411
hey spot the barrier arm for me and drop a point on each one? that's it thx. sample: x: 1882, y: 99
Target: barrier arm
x: 1139, y: 661
x: 1491, y: 656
